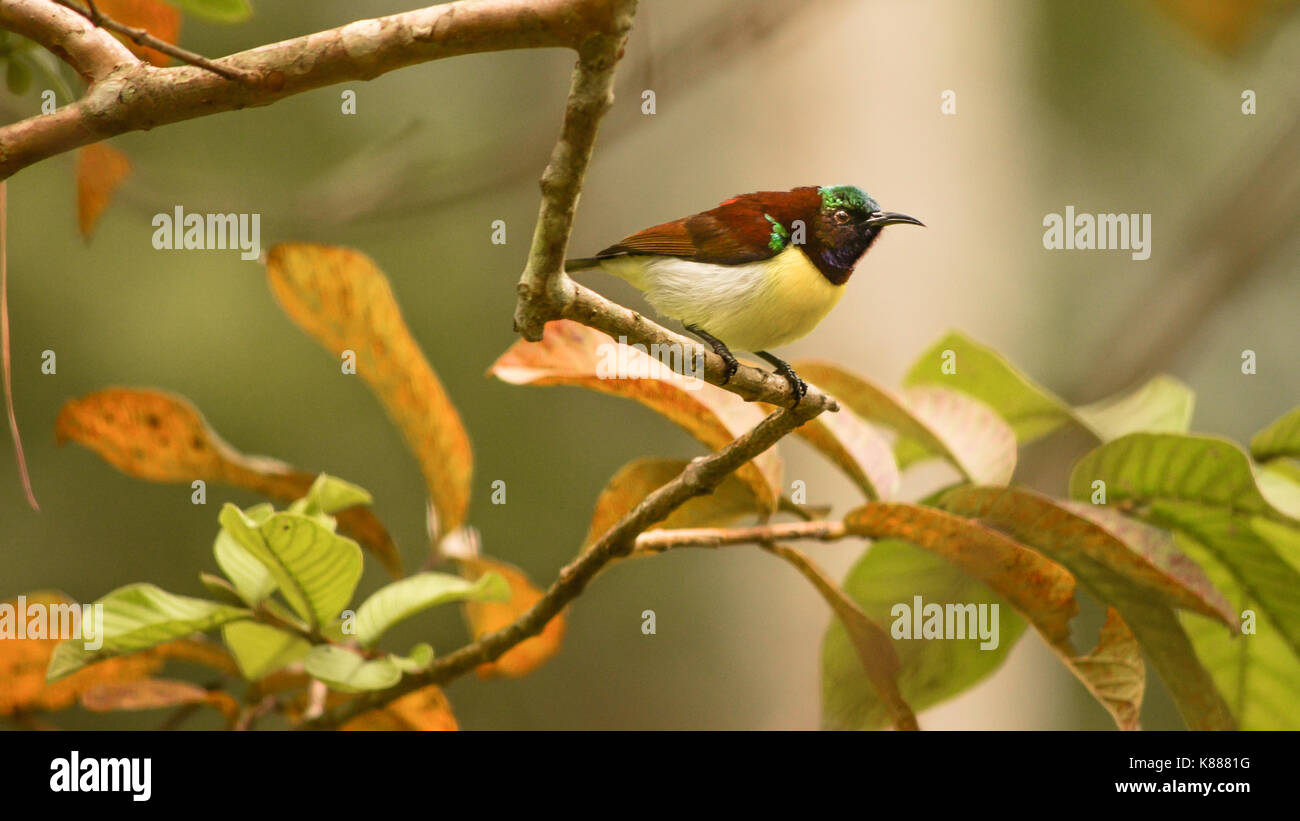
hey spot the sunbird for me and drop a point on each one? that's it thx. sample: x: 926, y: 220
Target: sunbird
x: 757, y: 272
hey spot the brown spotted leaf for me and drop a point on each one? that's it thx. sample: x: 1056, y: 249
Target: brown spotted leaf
x: 425, y: 709
x: 154, y: 16
x: 199, y: 650
x: 488, y: 616
x: 23, y: 664
x: 1113, y: 671
x: 1128, y: 565
x: 162, y: 437
x: 101, y: 169
x: 1040, y: 590
x: 731, y: 500
x: 573, y: 354
x: 1065, y: 531
x: 153, y: 694
x: 344, y: 302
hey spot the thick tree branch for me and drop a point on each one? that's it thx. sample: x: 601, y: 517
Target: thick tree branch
x: 93, y: 52
x: 136, y: 97
x: 544, y: 287
x: 701, y: 476
x: 753, y: 384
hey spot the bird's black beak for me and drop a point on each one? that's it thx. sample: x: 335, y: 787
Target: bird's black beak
x: 883, y: 218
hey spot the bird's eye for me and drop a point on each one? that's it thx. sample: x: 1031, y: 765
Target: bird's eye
x: 841, y: 216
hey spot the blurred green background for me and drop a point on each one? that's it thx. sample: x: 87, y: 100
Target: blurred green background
x: 1107, y: 105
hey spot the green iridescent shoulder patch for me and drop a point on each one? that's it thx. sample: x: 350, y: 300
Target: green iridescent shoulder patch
x: 780, y: 236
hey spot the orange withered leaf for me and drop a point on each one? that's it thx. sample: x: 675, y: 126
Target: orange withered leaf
x: 425, y: 709
x: 487, y: 616
x: 101, y: 169
x: 154, y: 16
x: 342, y: 300
x: 159, y: 436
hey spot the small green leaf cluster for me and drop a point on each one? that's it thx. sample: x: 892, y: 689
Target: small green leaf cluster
x: 288, y: 579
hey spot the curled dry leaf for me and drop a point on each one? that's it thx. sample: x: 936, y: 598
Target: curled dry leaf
x: 23, y: 663
x: 101, y: 169
x: 343, y: 301
x: 425, y: 709
x: 153, y: 694
x: 486, y: 616
x: 154, y: 435
x: 1038, y: 588
x: 154, y: 16
x: 1113, y: 671
x: 570, y: 353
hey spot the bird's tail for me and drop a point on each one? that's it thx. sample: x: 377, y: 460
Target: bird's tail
x: 582, y: 264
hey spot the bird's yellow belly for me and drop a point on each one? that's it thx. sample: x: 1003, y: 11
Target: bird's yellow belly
x: 752, y: 307
x: 794, y: 298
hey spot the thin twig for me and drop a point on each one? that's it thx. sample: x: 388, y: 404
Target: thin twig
x: 701, y: 476
x: 658, y: 541
x: 543, y: 284
x: 6, y: 359
x: 144, y: 38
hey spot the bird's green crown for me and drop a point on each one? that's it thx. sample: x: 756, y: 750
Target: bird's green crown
x: 848, y: 197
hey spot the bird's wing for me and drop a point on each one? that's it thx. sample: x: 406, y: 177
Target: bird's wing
x: 747, y: 228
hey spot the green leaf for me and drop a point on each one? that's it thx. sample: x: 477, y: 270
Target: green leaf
x: 349, y: 672
x: 870, y: 641
x: 218, y: 11
x: 946, y: 423
x: 1127, y: 565
x: 222, y: 590
x: 1247, y: 546
x: 1282, y: 438
x: 416, y: 661
x: 1162, y: 405
x: 1205, y: 488
x: 330, y: 495
x: 1202, y: 470
x: 1030, y: 409
x: 1093, y: 548
x: 406, y: 597
x: 1040, y: 589
x: 251, y: 579
x: 891, y: 572
x: 260, y: 649
x: 317, y: 571
x: 140, y: 616
x: 1257, y: 673
x: 1280, y: 487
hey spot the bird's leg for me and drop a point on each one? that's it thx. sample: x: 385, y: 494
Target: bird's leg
x: 797, y: 386
x: 720, y: 348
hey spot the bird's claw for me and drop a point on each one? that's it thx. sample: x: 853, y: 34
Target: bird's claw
x: 797, y: 386
x: 730, y: 366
